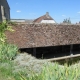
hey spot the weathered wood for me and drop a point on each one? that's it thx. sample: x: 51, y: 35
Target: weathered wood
x: 34, y: 52
x: 63, y: 58
x: 71, y: 48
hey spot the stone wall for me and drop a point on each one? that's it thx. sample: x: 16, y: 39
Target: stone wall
x: 0, y: 14
x: 4, y: 10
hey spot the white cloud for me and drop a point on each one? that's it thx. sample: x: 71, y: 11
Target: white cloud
x: 64, y: 15
x: 18, y: 11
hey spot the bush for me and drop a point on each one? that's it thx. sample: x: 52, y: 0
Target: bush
x: 7, y: 51
x: 3, y: 27
x: 55, y: 72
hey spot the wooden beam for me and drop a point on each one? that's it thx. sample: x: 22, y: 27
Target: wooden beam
x: 62, y: 48
x: 34, y: 52
x: 63, y: 58
x: 71, y: 49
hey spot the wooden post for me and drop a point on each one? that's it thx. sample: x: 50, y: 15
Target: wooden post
x: 62, y: 48
x: 34, y: 52
x: 71, y: 48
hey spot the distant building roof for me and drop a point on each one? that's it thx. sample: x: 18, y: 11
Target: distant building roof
x: 22, y: 20
x: 44, y: 17
x: 17, y: 20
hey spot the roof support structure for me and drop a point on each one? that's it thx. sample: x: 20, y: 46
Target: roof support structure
x: 71, y: 48
x: 34, y: 52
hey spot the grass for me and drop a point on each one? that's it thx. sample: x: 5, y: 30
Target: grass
x: 6, y: 71
x: 49, y: 71
x: 2, y: 77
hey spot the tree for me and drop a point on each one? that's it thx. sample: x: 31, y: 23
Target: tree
x: 68, y: 21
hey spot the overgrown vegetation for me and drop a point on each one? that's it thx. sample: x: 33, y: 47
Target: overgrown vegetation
x: 3, y: 27
x: 25, y: 64
x: 55, y: 72
x: 49, y: 72
x: 7, y: 51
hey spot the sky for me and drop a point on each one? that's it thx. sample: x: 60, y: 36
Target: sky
x: 58, y: 9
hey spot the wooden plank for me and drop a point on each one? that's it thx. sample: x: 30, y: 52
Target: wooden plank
x: 63, y: 58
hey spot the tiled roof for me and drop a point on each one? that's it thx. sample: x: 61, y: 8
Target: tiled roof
x: 41, y: 35
x: 44, y: 17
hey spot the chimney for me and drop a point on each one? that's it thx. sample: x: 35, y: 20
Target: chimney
x: 47, y: 13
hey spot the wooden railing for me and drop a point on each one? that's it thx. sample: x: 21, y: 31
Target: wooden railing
x: 64, y: 58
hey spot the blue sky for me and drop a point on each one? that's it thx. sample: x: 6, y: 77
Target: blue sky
x: 58, y: 9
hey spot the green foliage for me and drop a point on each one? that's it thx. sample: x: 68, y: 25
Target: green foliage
x: 51, y: 71
x: 7, y: 51
x: 68, y: 21
x: 3, y: 27
x: 6, y: 71
x: 55, y: 72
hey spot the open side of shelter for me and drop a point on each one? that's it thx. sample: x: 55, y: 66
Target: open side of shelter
x: 53, y: 51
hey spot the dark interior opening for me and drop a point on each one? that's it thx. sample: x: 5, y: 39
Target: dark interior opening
x: 53, y: 51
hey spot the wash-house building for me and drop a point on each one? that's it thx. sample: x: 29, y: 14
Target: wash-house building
x: 47, y: 40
